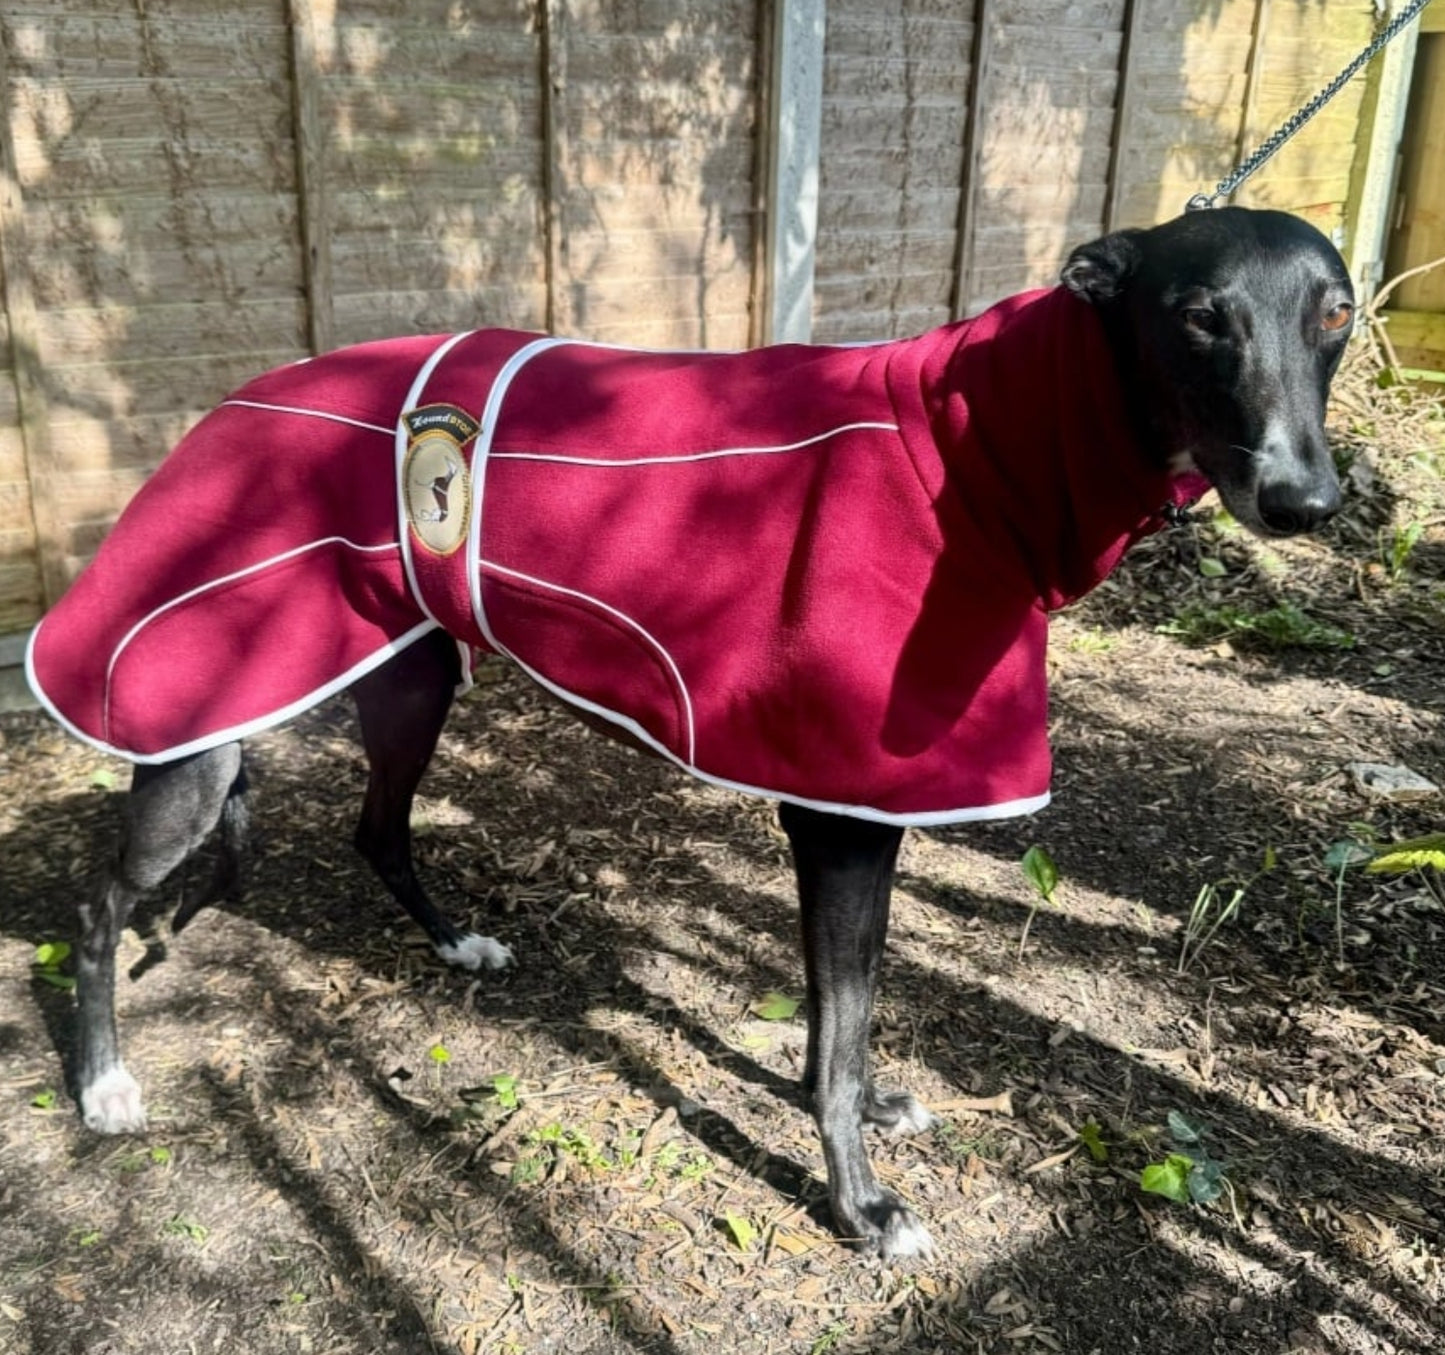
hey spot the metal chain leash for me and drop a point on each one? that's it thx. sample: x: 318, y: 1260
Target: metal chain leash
x: 1227, y: 185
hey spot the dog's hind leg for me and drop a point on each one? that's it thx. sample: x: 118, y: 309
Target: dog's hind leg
x: 845, y: 879
x: 168, y: 814
x: 402, y: 706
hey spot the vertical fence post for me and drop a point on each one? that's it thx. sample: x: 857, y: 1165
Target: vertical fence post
x: 311, y: 193
x: 1123, y: 115
x: 1372, y: 195
x: 1257, y: 43
x: 978, y: 72
x: 552, y: 25
x: 795, y: 116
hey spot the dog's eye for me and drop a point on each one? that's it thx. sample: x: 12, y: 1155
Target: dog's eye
x: 1201, y: 319
x: 1338, y: 317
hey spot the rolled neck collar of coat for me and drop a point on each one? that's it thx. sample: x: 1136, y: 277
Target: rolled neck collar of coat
x: 1028, y: 421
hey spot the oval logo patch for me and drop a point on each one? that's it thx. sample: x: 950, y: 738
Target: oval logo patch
x: 436, y: 480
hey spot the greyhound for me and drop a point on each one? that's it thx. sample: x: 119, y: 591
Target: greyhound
x: 991, y: 471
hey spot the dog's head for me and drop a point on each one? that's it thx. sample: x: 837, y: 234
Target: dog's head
x: 1228, y: 325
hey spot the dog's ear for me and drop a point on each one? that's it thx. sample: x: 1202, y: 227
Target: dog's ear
x: 1097, y: 271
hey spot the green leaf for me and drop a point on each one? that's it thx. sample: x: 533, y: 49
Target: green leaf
x: 742, y: 1230
x: 505, y: 1087
x: 1212, y: 568
x: 52, y: 954
x: 1092, y: 1137
x: 1039, y: 866
x: 1346, y: 853
x: 103, y: 779
x: 1169, y: 1178
x: 180, y: 1226
x: 160, y: 1155
x: 62, y: 981
x: 44, y: 1100
x: 1206, y: 1182
x: 1184, y: 1130
x: 777, y: 1007
x: 439, y: 1053
x: 1414, y: 853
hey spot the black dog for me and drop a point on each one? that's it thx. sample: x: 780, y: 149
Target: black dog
x: 1220, y: 334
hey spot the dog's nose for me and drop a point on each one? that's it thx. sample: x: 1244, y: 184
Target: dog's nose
x: 1290, y: 508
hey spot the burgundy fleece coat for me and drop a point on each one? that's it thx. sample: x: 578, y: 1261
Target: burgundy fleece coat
x: 816, y: 573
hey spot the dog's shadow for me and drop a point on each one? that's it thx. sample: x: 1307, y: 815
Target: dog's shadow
x: 306, y: 890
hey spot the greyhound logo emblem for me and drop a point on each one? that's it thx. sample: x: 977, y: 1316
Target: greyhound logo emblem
x: 436, y: 479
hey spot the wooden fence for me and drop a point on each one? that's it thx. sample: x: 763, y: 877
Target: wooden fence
x: 192, y: 191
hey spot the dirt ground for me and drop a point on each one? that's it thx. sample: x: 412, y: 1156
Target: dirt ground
x: 353, y: 1149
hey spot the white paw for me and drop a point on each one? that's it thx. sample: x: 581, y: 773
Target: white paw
x: 112, y: 1103
x: 904, y: 1235
x: 477, y: 952
x: 913, y: 1118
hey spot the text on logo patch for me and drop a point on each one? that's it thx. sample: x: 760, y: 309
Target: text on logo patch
x: 436, y: 480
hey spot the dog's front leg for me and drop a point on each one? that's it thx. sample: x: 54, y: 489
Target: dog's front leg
x: 845, y: 879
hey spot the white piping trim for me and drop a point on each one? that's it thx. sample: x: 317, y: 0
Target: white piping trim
x: 930, y: 818
x: 218, y: 583
x: 651, y: 639
x: 481, y: 450
x: 696, y: 456
x: 306, y: 413
x: 413, y: 396
x: 234, y: 732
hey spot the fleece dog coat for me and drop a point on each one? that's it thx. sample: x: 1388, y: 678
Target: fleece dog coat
x: 817, y: 573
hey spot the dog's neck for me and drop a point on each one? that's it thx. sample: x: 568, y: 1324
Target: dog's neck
x: 1028, y: 415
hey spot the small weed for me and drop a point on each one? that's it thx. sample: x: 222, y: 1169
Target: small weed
x: 180, y: 1226
x: 1212, y: 910
x: 1340, y: 857
x: 959, y: 1147
x: 438, y: 1056
x: 1188, y: 1174
x: 697, y: 1166
x: 1038, y: 866
x: 1395, y: 552
x: 675, y: 1162
x: 128, y: 1164
x: 628, y: 1147
x: 776, y: 1007
x: 1091, y: 1135
x: 489, y: 1103
x: 1281, y: 627
x: 830, y: 1339
x: 44, y: 1100
x: 49, y: 956
x: 86, y: 1237
x: 528, y: 1170
x: 575, y: 1143
x: 1093, y: 642
x: 740, y: 1230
